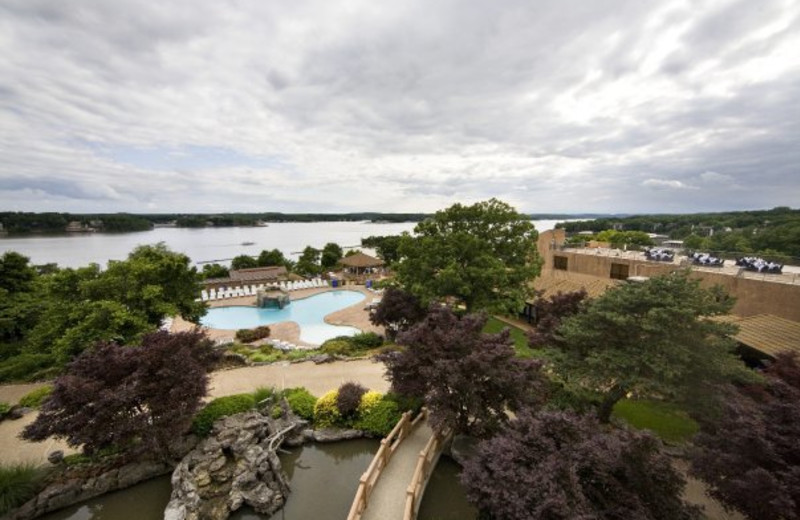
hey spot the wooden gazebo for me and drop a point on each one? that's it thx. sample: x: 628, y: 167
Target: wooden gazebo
x: 360, y: 265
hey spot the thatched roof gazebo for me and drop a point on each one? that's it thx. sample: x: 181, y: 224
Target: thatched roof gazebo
x: 360, y: 263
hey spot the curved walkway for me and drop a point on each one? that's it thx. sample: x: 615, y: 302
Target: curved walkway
x: 317, y: 378
x: 388, y: 498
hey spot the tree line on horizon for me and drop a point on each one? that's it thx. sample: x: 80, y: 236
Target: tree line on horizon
x: 773, y: 233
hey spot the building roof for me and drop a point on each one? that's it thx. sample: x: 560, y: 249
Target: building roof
x: 552, y: 281
x: 258, y: 274
x: 767, y: 333
x: 361, y: 260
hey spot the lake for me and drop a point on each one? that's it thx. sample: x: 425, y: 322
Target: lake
x: 204, y: 244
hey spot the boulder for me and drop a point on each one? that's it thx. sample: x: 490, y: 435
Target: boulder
x: 234, y: 466
x: 332, y: 435
x: 55, y: 457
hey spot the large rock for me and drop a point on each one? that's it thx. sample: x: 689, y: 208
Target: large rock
x: 235, y: 465
x: 332, y: 435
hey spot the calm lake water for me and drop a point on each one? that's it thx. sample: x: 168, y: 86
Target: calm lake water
x: 75, y: 250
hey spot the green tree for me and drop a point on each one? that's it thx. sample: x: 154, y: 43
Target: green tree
x: 273, y: 257
x: 308, y: 263
x: 214, y: 271
x: 387, y: 247
x: 153, y: 281
x: 654, y: 339
x: 243, y: 262
x: 331, y: 254
x: 483, y: 255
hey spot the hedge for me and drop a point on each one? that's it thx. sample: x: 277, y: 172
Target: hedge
x: 326, y: 413
x: 251, y: 335
x: 377, y: 417
x: 218, y: 408
x: 301, y: 402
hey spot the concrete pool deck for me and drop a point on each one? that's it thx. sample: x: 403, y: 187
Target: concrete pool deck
x: 353, y: 316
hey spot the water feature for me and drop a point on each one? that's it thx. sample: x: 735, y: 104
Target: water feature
x: 306, y: 312
x: 323, y: 479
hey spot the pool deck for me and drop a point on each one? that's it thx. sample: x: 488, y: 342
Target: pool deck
x: 352, y: 316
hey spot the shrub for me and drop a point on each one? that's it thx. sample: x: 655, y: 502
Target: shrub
x: 18, y: 484
x: 326, y: 414
x: 368, y: 401
x: 337, y: 347
x: 218, y: 408
x: 348, y: 399
x: 366, y: 341
x: 35, y: 398
x: 251, y: 335
x: 378, y: 418
x: 301, y: 402
x: 405, y: 403
x: 263, y: 392
x: 277, y: 411
x: 4, y: 409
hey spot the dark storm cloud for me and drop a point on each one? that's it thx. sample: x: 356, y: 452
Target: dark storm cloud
x: 551, y: 105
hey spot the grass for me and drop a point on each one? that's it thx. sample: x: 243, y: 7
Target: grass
x: 493, y: 326
x: 666, y: 420
x: 18, y: 484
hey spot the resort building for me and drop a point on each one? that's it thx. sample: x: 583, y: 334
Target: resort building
x: 767, y: 308
x: 253, y: 276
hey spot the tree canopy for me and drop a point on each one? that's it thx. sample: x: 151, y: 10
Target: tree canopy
x: 652, y: 339
x: 308, y: 263
x: 559, y: 465
x: 483, y: 255
x: 70, y: 309
x: 135, y: 398
x: 467, y: 379
x: 331, y: 254
x: 397, y: 311
x: 750, y: 454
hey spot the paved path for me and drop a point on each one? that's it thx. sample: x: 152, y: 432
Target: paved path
x: 388, y: 498
x: 317, y: 378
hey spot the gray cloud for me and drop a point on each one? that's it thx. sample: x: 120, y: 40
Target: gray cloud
x: 553, y: 105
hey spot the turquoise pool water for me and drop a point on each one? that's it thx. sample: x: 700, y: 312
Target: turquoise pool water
x: 308, y: 313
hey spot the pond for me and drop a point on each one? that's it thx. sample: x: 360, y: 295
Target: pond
x: 323, y: 479
x: 308, y: 313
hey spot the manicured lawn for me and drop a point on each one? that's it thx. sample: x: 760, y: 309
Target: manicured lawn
x: 493, y: 326
x: 664, y: 419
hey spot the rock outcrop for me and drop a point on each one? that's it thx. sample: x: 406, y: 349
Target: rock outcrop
x: 73, y: 486
x: 237, y: 464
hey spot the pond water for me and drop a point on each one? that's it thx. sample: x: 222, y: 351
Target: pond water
x: 445, y: 498
x: 323, y: 479
x: 306, y: 312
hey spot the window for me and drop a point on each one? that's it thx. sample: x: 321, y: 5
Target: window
x: 560, y: 263
x: 619, y: 271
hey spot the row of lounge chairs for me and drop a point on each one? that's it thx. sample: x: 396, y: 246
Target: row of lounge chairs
x: 659, y: 255
x: 759, y: 265
x: 251, y: 290
x: 706, y: 260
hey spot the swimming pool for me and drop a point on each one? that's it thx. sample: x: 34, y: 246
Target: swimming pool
x: 309, y: 313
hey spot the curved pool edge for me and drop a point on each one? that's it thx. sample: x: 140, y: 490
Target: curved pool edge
x: 294, y: 336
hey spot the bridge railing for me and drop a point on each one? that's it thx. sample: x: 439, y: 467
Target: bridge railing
x: 388, y: 446
x: 426, y: 462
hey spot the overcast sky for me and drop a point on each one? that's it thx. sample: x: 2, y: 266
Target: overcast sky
x: 331, y: 106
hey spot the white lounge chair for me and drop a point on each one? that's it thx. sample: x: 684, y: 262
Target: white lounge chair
x: 204, y: 295
x: 212, y: 295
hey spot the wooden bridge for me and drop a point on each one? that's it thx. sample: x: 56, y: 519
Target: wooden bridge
x: 393, y: 485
